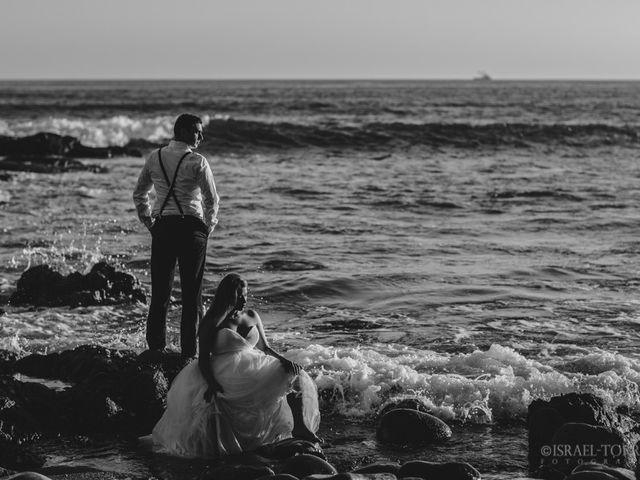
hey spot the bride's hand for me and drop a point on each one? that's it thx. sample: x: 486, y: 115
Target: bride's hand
x: 213, y: 389
x: 290, y: 367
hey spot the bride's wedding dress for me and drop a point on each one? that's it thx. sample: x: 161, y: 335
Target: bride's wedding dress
x: 252, y: 411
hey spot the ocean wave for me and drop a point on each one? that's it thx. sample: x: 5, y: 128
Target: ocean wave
x: 112, y: 131
x: 225, y: 133
x: 484, y: 386
x: 244, y: 134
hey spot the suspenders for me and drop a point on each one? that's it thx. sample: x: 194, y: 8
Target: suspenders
x: 172, y: 184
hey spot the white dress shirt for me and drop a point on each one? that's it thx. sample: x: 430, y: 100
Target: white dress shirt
x: 195, y: 188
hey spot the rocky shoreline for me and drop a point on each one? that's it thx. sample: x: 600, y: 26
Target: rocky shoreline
x: 99, y: 392
x: 47, y: 152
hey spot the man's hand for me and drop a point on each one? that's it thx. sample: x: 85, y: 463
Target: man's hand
x: 148, y: 222
x: 213, y: 225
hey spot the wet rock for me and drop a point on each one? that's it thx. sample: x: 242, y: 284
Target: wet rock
x: 237, y: 472
x: 169, y: 362
x: 83, y: 409
x: 412, y: 403
x: 18, y: 457
x: 28, y: 476
x: 407, y: 426
x: 26, y: 409
x: 439, y: 471
x: 83, y: 363
x: 279, y: 476
x: 577, y: 443
x: 303, y: 465
x: 597, y: 468
x: 288, y: 448
x: 46, y: 143
x: 546, y: 418
x: 7, y: 362
x: 145, y: 394
x: 48, y: 164
x: 380, y: 468
x: 5, y: 473
x: 590, y: 476
x: 42, y: 286
x: 352, y: 476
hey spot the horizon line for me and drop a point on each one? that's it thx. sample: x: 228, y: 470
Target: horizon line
x: 321, y: 79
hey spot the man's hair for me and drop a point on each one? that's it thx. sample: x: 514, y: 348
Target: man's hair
x: 186, y: 121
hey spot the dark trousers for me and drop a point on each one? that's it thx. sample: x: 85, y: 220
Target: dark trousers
x: 181, y: 239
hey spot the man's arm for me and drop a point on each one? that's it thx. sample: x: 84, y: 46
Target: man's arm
x: 210, y: 198
x: 141, y: 195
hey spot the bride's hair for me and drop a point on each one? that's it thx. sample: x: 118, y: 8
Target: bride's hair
x: 226, y: 296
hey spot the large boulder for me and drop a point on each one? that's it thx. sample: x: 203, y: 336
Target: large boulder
x: 110, y: 391
x: 237, y: 472
x: 48, y: 164
x: 578, y: 427
x: 43, y: 286
x: 15, y: 456
x: 303, y: 465
x: 411, y: 427
x: 439, y: 471
x: 46, y: 143
x: 595, y: 469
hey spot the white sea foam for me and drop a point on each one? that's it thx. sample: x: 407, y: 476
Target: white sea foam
x: 496, y: 384
x: 116, y: 131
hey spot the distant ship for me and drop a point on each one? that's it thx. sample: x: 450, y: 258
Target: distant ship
x: 482, y: 77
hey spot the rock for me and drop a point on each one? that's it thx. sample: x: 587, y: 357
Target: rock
x: 380, y: 468
x: 352, y: 476
x: 577, y: 443
x: 288, y: 448
x: 46, y: 143
x: 279, y: 476
x: 7, y: 362
x: 145, y: 396
x: 590, y: 476
x: 42, y: 286
x: 48, y: 164
x: 542, y: 425
x: 407, y: 426
x: 617, y: 473
x: 545, y: 418
x: 439, y: 471
x: 42, y: 143
x: 28, y: 476
x: 410, y: 403
x: 303, y: 465
x: 84, y: 409
x: 81, y: 364
x: 237, y: 472
x: 26, y: 409
x: 18, y: 457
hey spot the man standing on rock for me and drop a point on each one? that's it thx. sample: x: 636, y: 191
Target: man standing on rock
x: 182, y: 218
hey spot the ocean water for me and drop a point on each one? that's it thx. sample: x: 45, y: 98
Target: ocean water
x: 472, y: 243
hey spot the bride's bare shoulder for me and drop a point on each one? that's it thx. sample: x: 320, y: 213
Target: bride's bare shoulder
x: 249, y: 317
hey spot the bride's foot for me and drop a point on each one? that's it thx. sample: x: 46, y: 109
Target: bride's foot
x: 306, y: 434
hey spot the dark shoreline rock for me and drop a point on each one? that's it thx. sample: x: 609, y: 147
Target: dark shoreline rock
x: 412, y: 427
x: 577, y: 428
x: 47, y: 164
x: 103, y: 285
x: 52, y: 144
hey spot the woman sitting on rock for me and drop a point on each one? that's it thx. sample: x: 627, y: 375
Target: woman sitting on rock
x: 241, y: 394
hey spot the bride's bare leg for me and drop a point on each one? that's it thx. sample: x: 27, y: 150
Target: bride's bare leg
x: 300, y: 430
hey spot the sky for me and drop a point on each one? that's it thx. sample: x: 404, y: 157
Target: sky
x: 341, y: 39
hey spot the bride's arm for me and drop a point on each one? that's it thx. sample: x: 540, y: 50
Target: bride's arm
x: 207, y: 340
x: 263, y: 344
